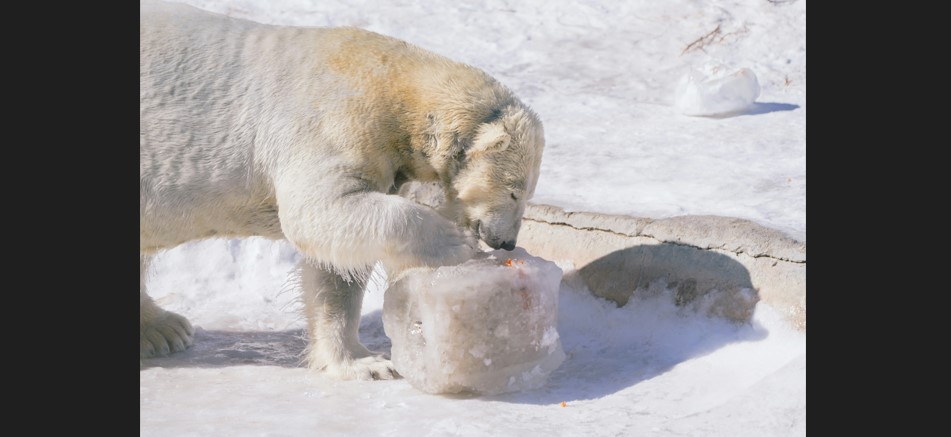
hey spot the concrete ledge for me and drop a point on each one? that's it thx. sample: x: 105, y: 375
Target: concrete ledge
x: 723, y: 264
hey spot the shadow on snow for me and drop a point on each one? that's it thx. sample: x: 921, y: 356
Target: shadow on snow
x: 758, y: 108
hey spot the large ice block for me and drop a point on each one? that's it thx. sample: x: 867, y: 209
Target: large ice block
x: 485, y: 326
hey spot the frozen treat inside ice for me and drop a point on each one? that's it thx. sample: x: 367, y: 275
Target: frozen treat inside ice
x: 485, y: 326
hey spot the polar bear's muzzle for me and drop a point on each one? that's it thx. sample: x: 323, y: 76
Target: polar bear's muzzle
x: 493, y: 239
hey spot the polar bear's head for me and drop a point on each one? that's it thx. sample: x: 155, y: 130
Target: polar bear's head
x: 498, y: 175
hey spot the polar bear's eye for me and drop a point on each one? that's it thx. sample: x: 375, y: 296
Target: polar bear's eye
x: 514, y: 197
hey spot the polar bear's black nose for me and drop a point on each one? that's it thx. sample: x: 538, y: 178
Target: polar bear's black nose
x: 508, y: 245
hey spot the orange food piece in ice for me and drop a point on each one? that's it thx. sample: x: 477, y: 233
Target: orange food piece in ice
x: 563, y: 404
x: 508, y: 262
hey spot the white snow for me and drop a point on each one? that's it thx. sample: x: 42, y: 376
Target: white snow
x: 603, y: 77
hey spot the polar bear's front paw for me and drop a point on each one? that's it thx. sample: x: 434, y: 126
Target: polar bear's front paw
x: 366, y: 368
x: 442, y: 243
x: 458, y: 250
x: 163, y: 334
x: 450, y: 247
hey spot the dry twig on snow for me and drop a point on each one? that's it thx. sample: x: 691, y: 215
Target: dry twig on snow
x: 702, y: 41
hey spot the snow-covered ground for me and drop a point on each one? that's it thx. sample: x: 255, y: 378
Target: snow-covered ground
x: 603, y: 77
x: 648, y: 368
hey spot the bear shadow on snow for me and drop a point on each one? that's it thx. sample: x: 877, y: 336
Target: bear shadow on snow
x: 214, y: 348
x: 217, y: 348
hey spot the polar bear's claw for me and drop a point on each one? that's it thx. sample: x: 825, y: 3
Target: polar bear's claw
x: 164, y: 334
x: 368, y: 368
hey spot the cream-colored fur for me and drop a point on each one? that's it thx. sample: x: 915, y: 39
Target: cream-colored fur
x: 306, y: 134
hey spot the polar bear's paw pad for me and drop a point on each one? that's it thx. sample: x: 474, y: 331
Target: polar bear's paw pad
x: 164, y: 334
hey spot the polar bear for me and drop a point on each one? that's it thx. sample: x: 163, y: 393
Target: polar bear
x: 306, y: 134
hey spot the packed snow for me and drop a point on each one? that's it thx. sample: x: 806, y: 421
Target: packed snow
x: 649, y: 367
x: 604, y: 77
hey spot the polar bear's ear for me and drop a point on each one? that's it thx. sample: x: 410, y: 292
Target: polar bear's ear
x: 491, y: 137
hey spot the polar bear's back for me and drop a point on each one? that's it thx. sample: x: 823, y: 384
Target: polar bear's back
x: 285, y: 62
x: 196, y: 129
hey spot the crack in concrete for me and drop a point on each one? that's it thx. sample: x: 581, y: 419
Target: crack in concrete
x: 677, y: 243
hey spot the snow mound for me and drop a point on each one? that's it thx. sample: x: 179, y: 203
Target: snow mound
x: 714, y: 90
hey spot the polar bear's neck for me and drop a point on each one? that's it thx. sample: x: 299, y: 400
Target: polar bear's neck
x: 449, y: 102
x: 435, y: 104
